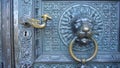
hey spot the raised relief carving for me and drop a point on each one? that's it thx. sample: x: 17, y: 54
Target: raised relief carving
x: 25, y: 52
x: 75, y: 14
x: 35, y: 22
x: 77, y: 65
x: 48, y: 44
x: 68, y: 12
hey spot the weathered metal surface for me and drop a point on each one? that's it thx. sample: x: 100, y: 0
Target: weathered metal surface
x: 0, y: 39
x: 22, y: 34
x: 51, y: 43
x: 6, y: 33
x: 77, y: 65
x: 105, y: 15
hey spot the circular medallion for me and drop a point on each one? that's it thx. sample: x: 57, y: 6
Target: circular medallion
x: 75, y: 14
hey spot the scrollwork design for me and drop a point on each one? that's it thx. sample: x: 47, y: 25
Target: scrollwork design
x: 75, y: 13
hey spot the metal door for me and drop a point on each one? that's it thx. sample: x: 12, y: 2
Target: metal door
x: 62, y: 43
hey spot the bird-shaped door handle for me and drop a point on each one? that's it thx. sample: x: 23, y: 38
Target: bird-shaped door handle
x: 36, y: 23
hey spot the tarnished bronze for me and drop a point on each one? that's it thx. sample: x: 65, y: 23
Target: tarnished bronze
x: 83, y: 60
x: 35, y: 22
x: 46, y: 17
x: 83, y: 36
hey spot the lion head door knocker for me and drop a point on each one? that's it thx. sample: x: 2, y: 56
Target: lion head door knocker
x: 83, y: 31
x: 36, y: 23
x: 79, y: 28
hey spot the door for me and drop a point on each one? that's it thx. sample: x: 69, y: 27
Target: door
x: 70, y: 34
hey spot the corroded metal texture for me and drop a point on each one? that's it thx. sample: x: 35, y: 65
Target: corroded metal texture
x: 22, y: 35
x: 6, y: 33
x: 0, y: 39
x: 77, y: 65
x: 51, y: 43
x: 55, y: 40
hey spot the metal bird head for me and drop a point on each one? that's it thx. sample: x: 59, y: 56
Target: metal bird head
x: 46, y: 17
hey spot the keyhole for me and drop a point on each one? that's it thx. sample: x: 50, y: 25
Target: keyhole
x: 25, y: 33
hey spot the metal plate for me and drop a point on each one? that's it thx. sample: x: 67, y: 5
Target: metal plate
x: 51, y: 44
x: 53, y: 41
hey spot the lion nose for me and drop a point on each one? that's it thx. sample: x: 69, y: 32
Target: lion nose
x: 85, y: 29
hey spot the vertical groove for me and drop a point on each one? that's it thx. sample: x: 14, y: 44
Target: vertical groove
x: 12, y: 34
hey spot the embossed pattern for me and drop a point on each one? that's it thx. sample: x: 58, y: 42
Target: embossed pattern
x: 75, y: 13
x: 90, y: 65
x: 25, y: 53
x: 51, y: 44
x: 103, y: 15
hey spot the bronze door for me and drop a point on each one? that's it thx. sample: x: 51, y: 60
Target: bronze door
x: 70, y: 34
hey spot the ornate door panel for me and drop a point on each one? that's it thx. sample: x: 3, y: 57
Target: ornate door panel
x: 50, y: 47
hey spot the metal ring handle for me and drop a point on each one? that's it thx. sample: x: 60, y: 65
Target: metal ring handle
x: 83, y: 60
